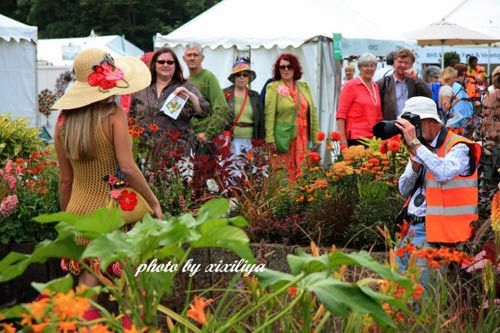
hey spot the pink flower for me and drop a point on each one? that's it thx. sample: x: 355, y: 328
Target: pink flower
x: 115, y: 194
x: 8, y: 205
x: 112, y: 74
x: 117, y: 269
x: 283, y: 91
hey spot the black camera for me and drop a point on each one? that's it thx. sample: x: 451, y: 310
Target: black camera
x: 387, y: 128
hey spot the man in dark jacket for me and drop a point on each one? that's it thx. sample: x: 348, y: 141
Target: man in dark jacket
x: 403, y: 84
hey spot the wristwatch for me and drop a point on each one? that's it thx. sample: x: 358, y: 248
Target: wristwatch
x: 414, y: 143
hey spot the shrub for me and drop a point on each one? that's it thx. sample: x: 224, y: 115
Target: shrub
x: 17, y: 139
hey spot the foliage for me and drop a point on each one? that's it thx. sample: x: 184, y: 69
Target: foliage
x: 448, y: 56
x: 135, y: 19
x: 36, y: 185
x: 17, y: 138
x: 138, y: 291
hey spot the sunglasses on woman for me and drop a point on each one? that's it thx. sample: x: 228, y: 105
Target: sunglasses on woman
x: 243, y: 74
x: 163, y: 62
x: 286, y: 67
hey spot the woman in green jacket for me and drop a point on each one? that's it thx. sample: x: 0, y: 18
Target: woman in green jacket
x: 289, y: 100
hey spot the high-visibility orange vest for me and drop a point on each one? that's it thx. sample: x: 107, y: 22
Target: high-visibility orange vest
x: 452, y: 205
x: 472, y: 75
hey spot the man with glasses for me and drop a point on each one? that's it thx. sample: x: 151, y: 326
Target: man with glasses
x: 209, y: 86
x: 403, y: 84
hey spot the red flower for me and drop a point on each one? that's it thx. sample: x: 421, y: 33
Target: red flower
x: 343, y: 146
x: 373, y: 161
x: 228, y: 95
x: 396, y: 137
x: 107, y: 84
x: 292, y: 291
x: 314, y: 158
x: 321, y: 136
x: 383, y: 147
x: 153, y: 128
x: 257, y: 143
x: 96, y: 78
x: 393, y: 146
x: 335, y: 136
x: 127, y: 200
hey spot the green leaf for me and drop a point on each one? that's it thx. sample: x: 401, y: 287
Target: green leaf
x: 62, y: 285
x: 57, y: 217
x: 274, y: 279
x: 307, y: 263
x: 13, y: 312
x: 228, y: 237
x: 110, y: 247
x: 340, y: 298
x: 239, y: 221
x: 213, y: 209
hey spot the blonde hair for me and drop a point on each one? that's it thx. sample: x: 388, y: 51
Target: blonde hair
x: 448, y: 74
x: 78, y: 134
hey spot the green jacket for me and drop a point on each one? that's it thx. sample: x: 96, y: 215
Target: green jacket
x: 282, y: 108
x: 209, y: 87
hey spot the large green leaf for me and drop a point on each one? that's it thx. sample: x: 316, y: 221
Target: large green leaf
x: 213, y: 209
x: 274, y: 279
x: 109, y: 248
x: 228, y: 237
x: 340, y: 298
x: 57, y: 217
x: 62, y: 285
x: 307, y: 263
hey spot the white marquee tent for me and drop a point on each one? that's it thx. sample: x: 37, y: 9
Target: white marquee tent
x: 18, y: 92
x: 262, y: 29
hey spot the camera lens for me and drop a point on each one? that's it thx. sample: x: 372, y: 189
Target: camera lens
x: 385, y: 129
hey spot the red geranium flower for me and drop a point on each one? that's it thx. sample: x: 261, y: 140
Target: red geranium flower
x: 335, y: 136
x: 228, y: 95
x: 314, y: 158
x: 393, y: 146
x: 383, y: 147
x: 321, y: 136
x: 127, y: 200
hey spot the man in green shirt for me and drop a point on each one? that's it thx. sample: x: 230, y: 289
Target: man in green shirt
x: 207, y: 83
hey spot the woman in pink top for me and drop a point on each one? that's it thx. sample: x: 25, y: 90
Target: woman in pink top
x: 359, y: 104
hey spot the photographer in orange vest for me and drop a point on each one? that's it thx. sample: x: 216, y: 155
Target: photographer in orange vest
x: 440, y: 182
x: 475, y: 78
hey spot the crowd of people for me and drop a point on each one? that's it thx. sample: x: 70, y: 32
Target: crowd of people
x: 92, y: 139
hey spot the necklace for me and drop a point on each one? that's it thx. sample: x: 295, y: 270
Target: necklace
x: 371, y: 91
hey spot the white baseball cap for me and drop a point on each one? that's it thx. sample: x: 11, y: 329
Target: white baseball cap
x: 425, y: 107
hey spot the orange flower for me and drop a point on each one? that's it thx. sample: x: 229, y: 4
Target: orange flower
x: 393, y: 146
x: 495, y: 212
x: 250, y: 155
x: 153, y: 128
x: 197, y: 309
x: 97, y: 328
x: 133, y: 329
x: 383, y: 147
x: 417, y: 293
x: 343, y: 147
x: 292, y: 291
x: 8, y: 328
x: 66, y: 326
x: 38, y: 308
x: 38, y: 328
x: 314, y: 249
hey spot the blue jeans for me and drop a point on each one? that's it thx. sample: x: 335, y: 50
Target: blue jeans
x: 416, y: 236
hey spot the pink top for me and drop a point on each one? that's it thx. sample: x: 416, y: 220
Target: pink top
x: 360, y: 109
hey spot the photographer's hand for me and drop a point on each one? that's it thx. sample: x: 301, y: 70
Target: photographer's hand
x: 409, y: 134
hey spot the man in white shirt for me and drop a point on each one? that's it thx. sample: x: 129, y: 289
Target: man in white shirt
x: 385, y: 71
x: 443, y: 167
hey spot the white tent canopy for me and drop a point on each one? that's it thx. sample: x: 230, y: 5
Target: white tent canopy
x: 264, y: 28
x: 18, y: 93
x: 61, y: 51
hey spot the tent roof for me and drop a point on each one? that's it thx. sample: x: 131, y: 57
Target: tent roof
x: 12, y: 29
x: 275, y: 22
x: 479, y: 15
x: 61, y: 51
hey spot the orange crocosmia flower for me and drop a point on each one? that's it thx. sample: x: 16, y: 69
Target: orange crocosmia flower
x: 250, y: 155
x: 66, y: 326
x: 97, y: 328
x: 153, y: 128
x: 197, y: 309
x: 292, y: 291
x: 8, y: 328
x: 314, y: 249
x: 38, y: 328
x: 399, y: 317
x: 80, y: 305
x: 417, y: 293
x: 133, y: 329
x: 37, y: 308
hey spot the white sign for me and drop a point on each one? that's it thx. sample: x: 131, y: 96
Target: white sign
x: 174, y: 104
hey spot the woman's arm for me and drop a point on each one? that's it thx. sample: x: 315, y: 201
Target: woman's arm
x: 65, y: 172
x: 123, y: 152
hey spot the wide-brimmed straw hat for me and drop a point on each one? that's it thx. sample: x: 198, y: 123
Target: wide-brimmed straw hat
x: 241, y: 65
x: 99, y: 76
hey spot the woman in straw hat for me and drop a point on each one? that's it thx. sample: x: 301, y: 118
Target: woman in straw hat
x: 175, y: 134
x: 91, y: 136
x: 245, y: 108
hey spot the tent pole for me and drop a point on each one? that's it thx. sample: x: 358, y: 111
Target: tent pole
x: 489, y: 58
x: 442, y: 54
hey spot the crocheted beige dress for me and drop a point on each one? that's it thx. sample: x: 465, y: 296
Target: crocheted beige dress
x: 89, y: 191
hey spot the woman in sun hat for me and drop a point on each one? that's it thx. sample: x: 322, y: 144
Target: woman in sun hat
x: 91, y: 137
x: 246, y: 111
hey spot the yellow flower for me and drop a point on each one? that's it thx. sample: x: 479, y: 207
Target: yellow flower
x: 355, y: 153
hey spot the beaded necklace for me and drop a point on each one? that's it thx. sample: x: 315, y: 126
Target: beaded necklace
x: 373, y: 96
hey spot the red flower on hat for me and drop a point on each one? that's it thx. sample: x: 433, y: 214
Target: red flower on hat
x: 127, y: 200
x: 105, y: 75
